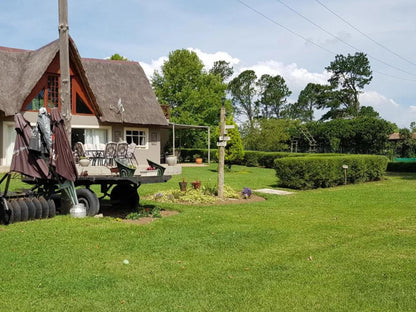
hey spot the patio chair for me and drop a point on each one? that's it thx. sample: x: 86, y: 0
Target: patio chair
x: 110, y: 153
x: 122, y: 150
x: 130, y: 153
x: 78, y: 151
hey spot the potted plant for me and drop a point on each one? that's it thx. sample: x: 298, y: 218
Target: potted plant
x: 183, y: 185
x: 198, y: 159
x: 84, y: 161
x: 196, y: 184
x: 171, y: 160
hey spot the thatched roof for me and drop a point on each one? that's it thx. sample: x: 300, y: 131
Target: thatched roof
x: 125, y: 80
x: 105, y: 82
x: 396, y: 136
x: 20, y: 71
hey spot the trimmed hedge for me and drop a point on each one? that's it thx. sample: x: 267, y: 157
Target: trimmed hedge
x: 326, y: 171
x: 401, y: 167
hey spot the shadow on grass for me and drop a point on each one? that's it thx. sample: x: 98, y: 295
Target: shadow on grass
x: 402, y: 175
x: 116, y: 211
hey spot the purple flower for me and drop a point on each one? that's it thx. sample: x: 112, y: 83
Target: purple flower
x: 246, y: 192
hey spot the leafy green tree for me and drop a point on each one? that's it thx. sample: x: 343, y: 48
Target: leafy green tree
x: 243, y: 92
x: 234, y: 150
x: 406, y: 146
x: 368, y: 111
x: 194, y: 96
x: 349, y: 75
x: 361, y: 135
x: 268, y: 135
x: 273, y: 93
x: 118, y: 57
x: 313, y: 96
x: 223, y: 69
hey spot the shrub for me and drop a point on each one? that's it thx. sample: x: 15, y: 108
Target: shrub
x: 401, y: 166
x: 327, y: 171
x: 265, y: 159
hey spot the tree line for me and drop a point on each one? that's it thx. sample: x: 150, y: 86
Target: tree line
x: 268, y: 121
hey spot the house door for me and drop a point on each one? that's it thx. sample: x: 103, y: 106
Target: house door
x: 9, y: 138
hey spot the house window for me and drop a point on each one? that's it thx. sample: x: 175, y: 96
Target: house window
x: 95, y: 137
x: 37, y: 101
x: 81, y: 107
x: 137, y: 136
x: 53, y: 91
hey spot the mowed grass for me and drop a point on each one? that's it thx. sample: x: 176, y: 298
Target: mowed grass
x: 349, y: 248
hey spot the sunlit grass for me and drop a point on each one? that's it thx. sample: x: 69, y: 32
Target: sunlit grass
x: 348, y: 248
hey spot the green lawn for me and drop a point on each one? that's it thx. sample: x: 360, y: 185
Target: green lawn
x: 349, y: 248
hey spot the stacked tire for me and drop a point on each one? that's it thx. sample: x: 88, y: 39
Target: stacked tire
x: 27, y: 208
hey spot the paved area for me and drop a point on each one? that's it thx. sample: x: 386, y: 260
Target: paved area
x: 271, y: 191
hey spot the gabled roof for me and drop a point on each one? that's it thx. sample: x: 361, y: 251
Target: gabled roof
x: 105, y: 82
x: 125, y: 80
x: 22, y: 69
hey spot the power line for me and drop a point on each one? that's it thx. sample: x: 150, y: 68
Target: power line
x: 343, y: 41
x: 365, y: 35
x: 286, y: 28
x: 320, y: 46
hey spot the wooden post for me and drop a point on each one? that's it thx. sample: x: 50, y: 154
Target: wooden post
x: 221, y: 154
x: 64, y: 66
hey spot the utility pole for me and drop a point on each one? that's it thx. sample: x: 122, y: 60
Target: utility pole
x: 221, y: 152
x: 64, y: 66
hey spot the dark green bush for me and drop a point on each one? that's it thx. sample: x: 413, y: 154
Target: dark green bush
x: 327, y: 171
x: 265, y: 159
x: 401, y: 166
x: 187, y: 154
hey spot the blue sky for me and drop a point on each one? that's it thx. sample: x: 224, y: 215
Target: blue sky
x: 296, y: 39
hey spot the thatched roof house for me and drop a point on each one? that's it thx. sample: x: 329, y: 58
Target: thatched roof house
x: 111, y: 100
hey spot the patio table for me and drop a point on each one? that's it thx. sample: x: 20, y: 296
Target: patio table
x: 97, y: 156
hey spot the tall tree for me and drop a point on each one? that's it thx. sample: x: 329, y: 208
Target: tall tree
x: 267, y: 135
x: 273, y: 94
x: 223, y: 69
x: 349, y: 75
x: 243, y: 92
x: 313, y: 96
x: 193, y: 95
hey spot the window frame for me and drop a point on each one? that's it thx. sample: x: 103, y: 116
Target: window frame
x: 146, y: 136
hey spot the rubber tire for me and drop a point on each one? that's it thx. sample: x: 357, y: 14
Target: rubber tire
x: 24, y: 209
x: 57, y: 201
x: 45, y: 207
x: 9, y: 213
x: 6, y: 215
x: 17, y: 211
x: 125, y: 196
x: 52, y: 208
x: 32, y: 208
x: 38, y: 208
x: 89, y: 199
x: 65, y: 205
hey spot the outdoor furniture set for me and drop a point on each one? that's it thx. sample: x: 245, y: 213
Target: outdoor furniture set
x: 105, y: 154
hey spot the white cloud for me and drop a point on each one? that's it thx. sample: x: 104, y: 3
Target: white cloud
x: 296, y: 78
x: 209, y: 58
x: 149, y: 69
x: 388, y: 109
